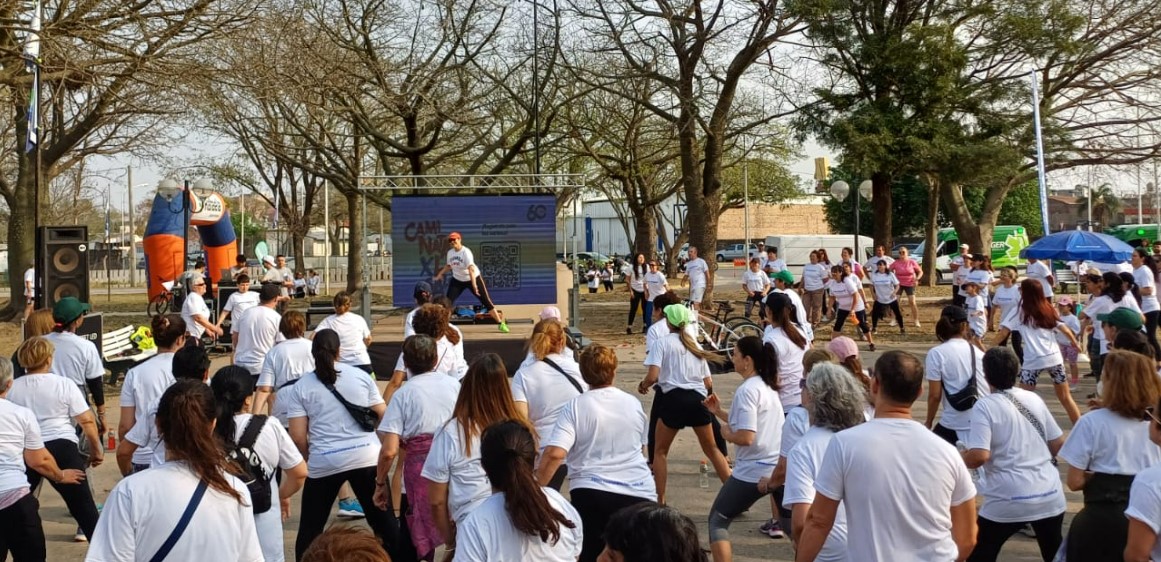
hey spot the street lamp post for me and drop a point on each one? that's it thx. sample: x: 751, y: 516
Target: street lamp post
x: 839, y: 190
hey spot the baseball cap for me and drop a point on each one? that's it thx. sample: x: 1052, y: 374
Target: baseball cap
x: 964, y: 246
x: 454, y: 236
x: 843, y: 347
x: 678, y: 315
x: 785, y: 277
x: 268, y: 259
x: 954, y: 313
x: 68, y: 309
x: 550, y: 312
x: 421, y: 288
x: 1065, y: 301
x: 1126, y: 318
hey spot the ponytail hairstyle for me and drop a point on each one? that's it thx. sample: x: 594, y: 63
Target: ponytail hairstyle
x: 435, y: 321
x: 342, y: 302
x: 167, y: 330
x: 1035, y: 307
x: 946, y: 328
x: 1114, y: 286
x: 547, y: 338
x: 185, y: 417
x: 782, y: 315
x: 765, y: 358
x: 853, y: 364
x: 507, y: 454
x: 1131, y: 287
x: 325, y: 350
x: 231, y: 386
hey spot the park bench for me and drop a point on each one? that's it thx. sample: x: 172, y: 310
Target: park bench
x: 120, y: 353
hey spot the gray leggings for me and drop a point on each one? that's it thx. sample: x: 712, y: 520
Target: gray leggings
x: 734, y: 498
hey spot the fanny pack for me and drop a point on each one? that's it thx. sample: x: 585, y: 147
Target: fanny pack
x: 364, y: 416
x: 963, y: 400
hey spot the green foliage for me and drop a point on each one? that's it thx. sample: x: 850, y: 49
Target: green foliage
x: 1021, y: 206
x: 769, y: 182
x: 254, y: 231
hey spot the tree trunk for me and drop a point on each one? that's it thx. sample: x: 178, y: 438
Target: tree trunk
x: 355, y: 243
x: 883, y: 208
x: 21, y: 237
x: 968, y: 231
x: 930, y: 278
x: 297, y: 238
x: 644, y: 232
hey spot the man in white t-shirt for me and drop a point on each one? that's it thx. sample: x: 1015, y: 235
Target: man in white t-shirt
x: 959, y: 272
x: 1040, y: 271
x: 256, y: 332
x: 240, y: 301
x: 466, y: 275
x: 872, y: 264
x: 696, y: 276
x: 773, y: 264
x: 907, y: 492
x: 286, y: 276
x: 29, y: 291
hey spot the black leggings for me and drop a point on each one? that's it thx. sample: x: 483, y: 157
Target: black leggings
x: 840, y: 318
x: 595, y: 508
x: 635, y: 301
x: 23, y: 534
x: 455, y: 288
x: 655, y: 416
x: 993, y: 535
x: 77, y: 497
x: 758, y: 299
x: 1151, y: 331
x: 880, y: 310
x: 318, y: 495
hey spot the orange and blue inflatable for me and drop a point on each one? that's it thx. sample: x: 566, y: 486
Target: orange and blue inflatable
x: 164, y: 241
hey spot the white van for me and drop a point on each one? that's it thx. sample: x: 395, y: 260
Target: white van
x: 796, y: 249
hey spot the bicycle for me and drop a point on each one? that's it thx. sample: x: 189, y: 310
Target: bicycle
x: 724, y: 330
x: 161, y: 304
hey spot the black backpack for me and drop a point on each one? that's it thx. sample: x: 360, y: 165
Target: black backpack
x: 254, y: 474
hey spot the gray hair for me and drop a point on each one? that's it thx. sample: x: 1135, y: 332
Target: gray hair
x: 5, y: 373
x: 419, y: 354
x: 837, y: 400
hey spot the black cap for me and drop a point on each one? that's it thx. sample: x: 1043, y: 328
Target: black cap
x: 954, y: 313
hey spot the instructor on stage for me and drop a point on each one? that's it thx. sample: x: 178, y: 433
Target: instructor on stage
x: 465, y: 275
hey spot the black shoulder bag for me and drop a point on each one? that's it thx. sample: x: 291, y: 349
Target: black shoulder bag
x: 963, y: 400
x: 575, y: 384
x: 364, y: 416
x: 182, y: 523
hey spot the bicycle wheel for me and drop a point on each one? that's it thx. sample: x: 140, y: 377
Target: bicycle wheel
x: 733, y: 321
x: 730, y: 335
x: 159, y: 306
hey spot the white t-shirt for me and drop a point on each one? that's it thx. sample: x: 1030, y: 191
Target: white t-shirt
x: 257, y: 330
x: 287, y: 361
x: 461, y: 261
x: 1006, y: 299
x: 894, y: 504
x: 529, y: 358
x: 1103, y: 305
x: 241, y: 302
x: 353, y: 332
x: 636, y: 280
x: 774, y: 265
x: 756, y: 408
x: 451, y: 359
x: 1073, y: 324
x: 679, y: 368
x: 337, y: 443
x: 799, y: 313
x: 142, y: 390
x: 802, y: 464
x: 789, y: 366
x: 872, y: 264
x: 594, y: 278
x: 977, y: 309
x: 1105, y: 441
x: 1144, y: 279
x: 277, y: 451
x: 697, y: 271
x: 55, y: 401
x: 145, y: 436
x: 143, y: 509
x: 814, y: 276
x: 797, y: 423
x: 408, y: 328
x: 194, y: 306
x: 75, y: 358
x: 755, y: 281
x: 1040, y: 348
x: 545, y: 390
x: 603, y: 431
x: 19, y: 431
x: 960, y: 275
x: 1019, y: 482
x: 1119, y: 267
x: 30, y: 282
x: 1145, y: 504
x: 884, y: 284
x: 447, y: 463
x: 421, y: 406
x: 655, y: 284
x: 660, y: 329
x: 487, y: 534
x: 846, y: 294
x: 1040, y: 272
x: 950, y: 362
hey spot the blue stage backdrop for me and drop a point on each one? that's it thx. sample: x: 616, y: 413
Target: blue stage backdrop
x: 511, y: 236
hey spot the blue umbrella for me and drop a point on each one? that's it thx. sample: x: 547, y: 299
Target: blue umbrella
x: 1079, y: 245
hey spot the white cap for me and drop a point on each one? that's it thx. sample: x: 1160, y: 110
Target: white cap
x: 550, y: 312
x: 268, y: 259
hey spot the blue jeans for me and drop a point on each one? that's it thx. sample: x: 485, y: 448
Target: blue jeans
x: 648, y: 306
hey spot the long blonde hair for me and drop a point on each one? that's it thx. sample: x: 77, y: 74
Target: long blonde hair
x: 692, y: 347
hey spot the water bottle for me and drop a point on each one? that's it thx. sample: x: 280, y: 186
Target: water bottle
x: 110, y: 441
x: 703, y: 475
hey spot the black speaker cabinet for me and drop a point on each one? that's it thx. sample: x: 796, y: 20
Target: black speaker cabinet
x: 64, y: 271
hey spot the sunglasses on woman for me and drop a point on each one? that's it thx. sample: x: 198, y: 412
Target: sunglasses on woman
x: 1150, y: 415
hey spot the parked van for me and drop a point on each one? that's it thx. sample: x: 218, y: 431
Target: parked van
x: 795, y: 249
x: 1007, y: 241
x: 1135, y: 235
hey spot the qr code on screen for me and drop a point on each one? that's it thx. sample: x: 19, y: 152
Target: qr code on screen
x: 501, y: 264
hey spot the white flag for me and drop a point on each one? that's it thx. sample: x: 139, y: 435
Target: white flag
x: 32, y: 40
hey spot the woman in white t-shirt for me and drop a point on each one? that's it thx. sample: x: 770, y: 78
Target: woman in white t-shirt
x: 951, y: 368
x: 353, y: 331
x: 20, y: 443
x: 1106, y: 449
x: 846, y: 296
x: 886, y: 288
x: 593, y: 277
x: 413, y: 416
x: 789, y: 344
x: 600, y: 435
x: 541, y: 389
x: 233, y: 389
x: 143, y: 510
x: 814, y: 276
x: 835, y: 401
x: 455, y: 479
x: 1013, y: 441
x: 1144, y: 511
x: 146, y: 382
x: 656, y: 284
x: 434, y: 321
x: 339, y: 449
x: 679, y: 367
x: 58, y: 403
x: 1038, y: 324
x: 521, y: 520
x: 1113, y: 296
x: 1145, y: 275
x: 635, y: 279
x: 756, y: 284
x: 754, y: 425
x: 286, y: 362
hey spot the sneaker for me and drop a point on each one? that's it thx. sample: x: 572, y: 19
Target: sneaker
x: 775, y: 530
x: 629, y: 330
x: 893, y: 324
x: 80, y: 536
x: 504, y: 328
x: 351, y: 508
x: 918, y: 325
x: 1028, y: 531
x: 765, y: 528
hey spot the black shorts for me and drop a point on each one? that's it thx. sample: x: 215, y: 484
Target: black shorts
x: 907, y: 290
x: 681, y: 408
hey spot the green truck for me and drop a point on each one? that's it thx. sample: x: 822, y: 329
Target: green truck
x: 1007, y: 241
x: 1135, y: 235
